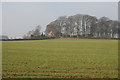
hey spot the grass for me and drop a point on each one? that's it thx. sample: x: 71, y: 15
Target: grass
x: 60, y: 58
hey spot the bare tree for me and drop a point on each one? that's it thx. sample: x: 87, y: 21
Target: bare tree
x: 83, y: 24
x: 37, y: 31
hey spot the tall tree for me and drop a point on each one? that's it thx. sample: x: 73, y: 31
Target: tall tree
x: 85, y: 25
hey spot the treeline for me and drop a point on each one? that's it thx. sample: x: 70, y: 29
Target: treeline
x: 83, y: 26
x: 35, y: 34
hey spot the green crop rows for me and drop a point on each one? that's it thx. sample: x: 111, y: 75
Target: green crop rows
x: 60, y: 58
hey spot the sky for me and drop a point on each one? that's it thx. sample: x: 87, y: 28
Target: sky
x: 20, y: 17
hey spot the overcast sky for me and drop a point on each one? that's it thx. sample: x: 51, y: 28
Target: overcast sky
x: 20, y: 17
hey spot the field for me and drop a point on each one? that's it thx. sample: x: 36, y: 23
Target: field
x: 60, y: 58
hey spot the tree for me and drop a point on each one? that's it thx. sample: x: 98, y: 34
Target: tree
x: 79, y: 24
x: 86, y: 25
x: 37, y: 31
x: 34, y: 34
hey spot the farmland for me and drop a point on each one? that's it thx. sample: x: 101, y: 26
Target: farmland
x: 60, y: 58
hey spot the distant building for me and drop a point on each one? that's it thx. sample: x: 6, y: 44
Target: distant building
x: 73, y: 35
x: 51, y: 34
x: 3, y: 37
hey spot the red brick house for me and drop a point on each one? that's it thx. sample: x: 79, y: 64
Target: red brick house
x: 51, y: 34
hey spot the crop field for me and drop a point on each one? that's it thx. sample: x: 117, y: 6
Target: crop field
x: 60, y: 58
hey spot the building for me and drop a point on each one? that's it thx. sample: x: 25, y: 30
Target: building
x: 3, y: 37
x: 51, y: 34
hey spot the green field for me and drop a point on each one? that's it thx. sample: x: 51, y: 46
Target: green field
x: 60, y: 58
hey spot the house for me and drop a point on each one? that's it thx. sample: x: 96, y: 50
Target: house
x: 76, y: 35
x: 51, y: 34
